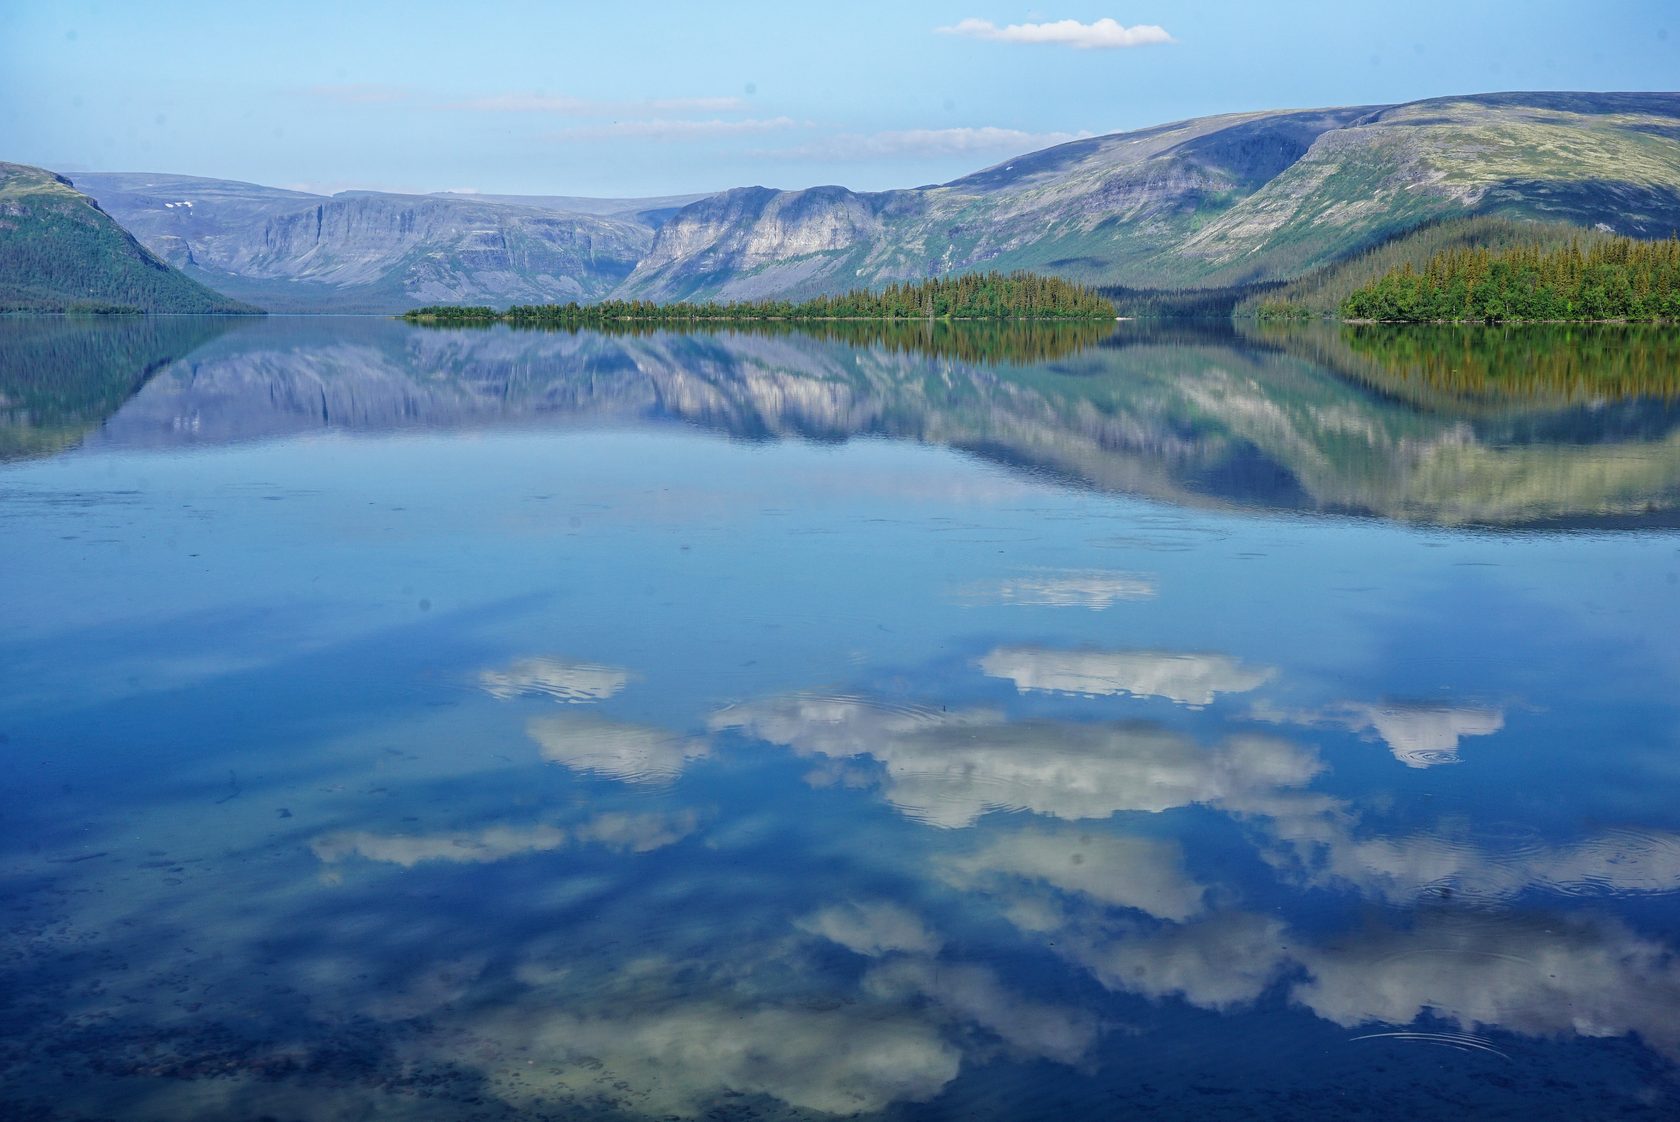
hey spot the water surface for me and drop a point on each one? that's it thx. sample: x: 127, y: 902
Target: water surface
x: 479, y: 724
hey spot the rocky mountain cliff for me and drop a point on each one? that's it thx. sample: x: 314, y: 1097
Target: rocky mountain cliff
x: 369, y: 251
x: 1212, y: 201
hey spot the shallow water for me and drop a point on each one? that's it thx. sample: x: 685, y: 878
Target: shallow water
x: 473, y: 724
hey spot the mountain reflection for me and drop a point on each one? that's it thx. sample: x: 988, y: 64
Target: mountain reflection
x: 61, y: 376
x: 993, y: 343
x: 1277, y: 422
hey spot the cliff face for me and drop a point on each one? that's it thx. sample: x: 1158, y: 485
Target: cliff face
x: 370, y: 251
x: 1212, y: 201
x: 442, y: 250
x: 753, y: 242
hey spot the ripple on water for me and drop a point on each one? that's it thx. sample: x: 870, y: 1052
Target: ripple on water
x: 1459, y: 1041
x: 1618, y: 862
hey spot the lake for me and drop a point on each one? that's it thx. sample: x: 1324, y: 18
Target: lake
x: 477, y: 724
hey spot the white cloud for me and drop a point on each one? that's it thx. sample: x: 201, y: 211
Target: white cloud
x: 552, y: 677
x: 632, y: 753
x: 1099, y: 34
x: 1324, y: 849
x: 491, y: 844
x: 1118, y: 870
x: 1095, y: 589
x: 590, y: 107
x: 618, y: 831
x: 1536, y: 977
x: 923, y: 142
x: 677, y: 129
x: 1222, y: 962
x: 696, y: 104
x: 949, y: 768
x: 974, y: 993
x: 1424, y: 735
x: 679, y: 1058
x: 873, y: 928
x: 1189, y: 679
x: 1419, y: 734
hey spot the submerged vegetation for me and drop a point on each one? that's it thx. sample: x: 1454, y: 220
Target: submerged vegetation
x: 1607, y: 279
x: 973, y: 296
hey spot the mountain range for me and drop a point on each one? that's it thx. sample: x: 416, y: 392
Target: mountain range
x: 1216, y: 201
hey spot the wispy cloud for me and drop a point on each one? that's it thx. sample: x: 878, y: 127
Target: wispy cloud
x: 695, y: 104
x: 924, y: 142
x: 672, y: 129
x: 1097, y: 35
x: 362, y: 93
x: 589, y: 107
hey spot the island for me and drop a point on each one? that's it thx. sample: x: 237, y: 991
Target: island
x: 972, y: 296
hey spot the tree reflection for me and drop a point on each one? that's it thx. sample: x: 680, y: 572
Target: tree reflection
x: 60, y: 376
x: 992, y: 343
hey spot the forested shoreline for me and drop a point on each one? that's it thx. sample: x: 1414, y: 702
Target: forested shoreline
x: 1608, y: 279
x: 973, y: 296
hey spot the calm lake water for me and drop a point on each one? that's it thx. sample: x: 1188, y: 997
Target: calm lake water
x: 484, y: 725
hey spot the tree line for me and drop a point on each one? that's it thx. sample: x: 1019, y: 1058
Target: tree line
x: 1606, y: 279
x: 1319, y: 294
x: 972, y: 296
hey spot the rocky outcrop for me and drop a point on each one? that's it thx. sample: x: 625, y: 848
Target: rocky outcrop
x: 753, y: 242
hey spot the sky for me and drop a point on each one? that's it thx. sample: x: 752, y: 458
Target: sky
x: 623, y: 99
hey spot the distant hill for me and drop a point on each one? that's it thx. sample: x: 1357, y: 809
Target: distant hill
x: 59, y: 251
x: 1224, y: 200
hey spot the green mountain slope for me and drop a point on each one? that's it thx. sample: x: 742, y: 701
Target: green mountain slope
x: 59, y: 251
x: 1596, y: 160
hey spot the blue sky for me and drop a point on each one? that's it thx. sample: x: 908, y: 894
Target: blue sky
x: 653, y: 98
